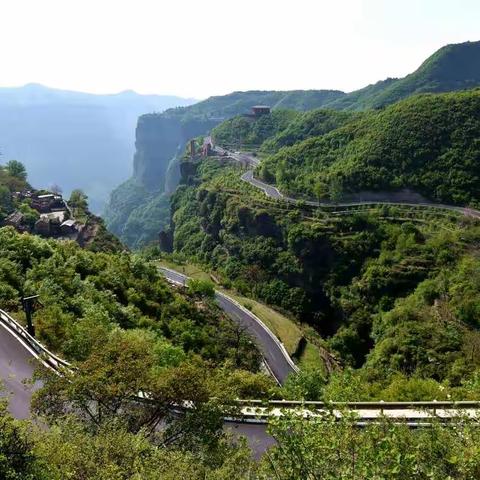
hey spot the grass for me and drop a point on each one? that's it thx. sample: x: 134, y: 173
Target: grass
x: 187, y: 269
x: 311, y: 357
x: 285, y: 329
x: 288, y: 331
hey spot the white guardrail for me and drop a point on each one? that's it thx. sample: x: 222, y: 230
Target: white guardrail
x: 280, y: 345
x: 414, y: 414
x: 39, y: 351
x: 420, y: 415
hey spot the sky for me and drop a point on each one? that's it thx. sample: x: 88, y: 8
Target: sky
x: 199, y: 48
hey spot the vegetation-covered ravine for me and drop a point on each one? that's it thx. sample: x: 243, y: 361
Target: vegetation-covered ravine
x: 375, y: 285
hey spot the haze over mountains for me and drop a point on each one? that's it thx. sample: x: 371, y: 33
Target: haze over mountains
x: 74, y: 139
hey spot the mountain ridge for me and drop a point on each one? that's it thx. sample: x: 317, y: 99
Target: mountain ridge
x: 74, y: 139
x: 44, y: 92
x: 156, y: 167
x: 438, y: 73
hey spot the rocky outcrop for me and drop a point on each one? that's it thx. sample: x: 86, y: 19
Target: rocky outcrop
x: 161, y: 140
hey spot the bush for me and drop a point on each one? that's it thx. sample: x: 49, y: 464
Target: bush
x: 201, y: 288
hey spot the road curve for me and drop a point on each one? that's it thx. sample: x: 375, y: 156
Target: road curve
x: 274, y: 353
x: 17, y: 365
x: 273, y: 192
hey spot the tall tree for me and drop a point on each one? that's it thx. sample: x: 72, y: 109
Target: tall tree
x: 17, y: 169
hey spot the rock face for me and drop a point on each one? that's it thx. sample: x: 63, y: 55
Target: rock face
x: 138, y: 208
x: 160, y: 141
x: 157, y: 141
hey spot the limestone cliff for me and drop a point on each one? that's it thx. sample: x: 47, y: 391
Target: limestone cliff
x: 138, y: 209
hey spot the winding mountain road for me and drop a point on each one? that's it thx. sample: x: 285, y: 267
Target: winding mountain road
x: 273, y: 192
x: 276, y: 357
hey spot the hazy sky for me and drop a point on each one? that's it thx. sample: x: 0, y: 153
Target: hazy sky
x: 198, y: 48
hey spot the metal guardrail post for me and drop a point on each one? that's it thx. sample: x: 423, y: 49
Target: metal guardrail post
x: 38, y: 350
x: 28, y: 305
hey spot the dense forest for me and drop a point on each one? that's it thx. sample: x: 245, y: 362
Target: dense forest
x: 138, y: 208
x: 427, y: 143
x: 281, y: 128
x: 375, y: 284
x: 90, y: 297
x: 126, y: 331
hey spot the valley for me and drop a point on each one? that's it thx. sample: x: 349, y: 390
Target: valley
x: 286, y: 287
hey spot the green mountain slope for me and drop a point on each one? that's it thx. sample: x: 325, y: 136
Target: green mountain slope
x: 392, y: 291
x: 244, y: 132
x: 453, y: 67
x: 429, y: 143
x: 281, y: 128
x: 136, y: 211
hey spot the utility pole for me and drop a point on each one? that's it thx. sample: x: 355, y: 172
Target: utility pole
x: 29, y: 304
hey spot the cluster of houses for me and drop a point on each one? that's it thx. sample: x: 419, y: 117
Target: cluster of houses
x: 55, y: 217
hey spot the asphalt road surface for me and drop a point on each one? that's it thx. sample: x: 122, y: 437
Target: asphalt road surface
x: 274, y: 355
x: 269, y: 190
x: 16, y: 367
x: 256, y: 434
x: 273, y: 192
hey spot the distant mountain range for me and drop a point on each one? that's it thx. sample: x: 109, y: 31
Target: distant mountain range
x: 74, y: 139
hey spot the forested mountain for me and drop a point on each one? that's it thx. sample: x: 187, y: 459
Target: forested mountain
x: 360, y: 279
x: 453, y: 67
x: 139, y: 208
x: 282, y: 128
x: 389, y: 289
x: 427, y: 143
x: 73, y: 139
